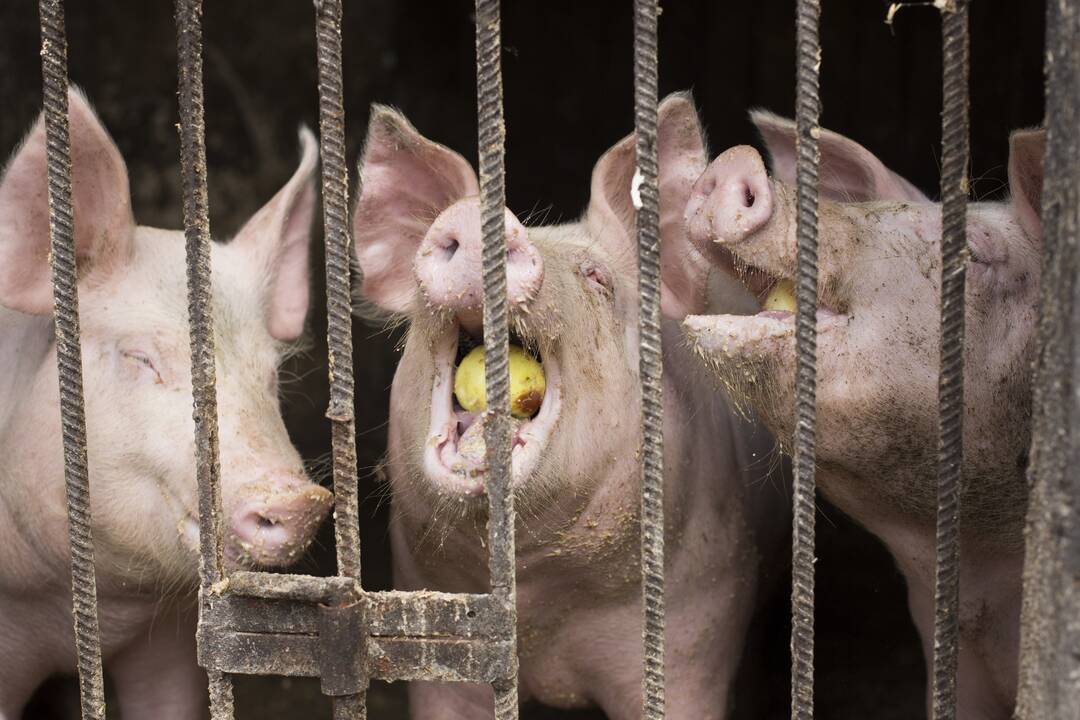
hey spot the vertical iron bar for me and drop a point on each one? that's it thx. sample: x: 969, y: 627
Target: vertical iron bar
x: 200, y: 316
x: 335, y: 192
x: 650, y: 358
x: 492, y: 143
x: 69, y: 357
x: 335, y: 195
x: 807, y: 122
x: 954, y: 189
x: 1049, y: 685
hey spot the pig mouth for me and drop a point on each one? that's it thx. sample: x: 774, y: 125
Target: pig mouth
x: 454, y: 455
x: 768, y: 332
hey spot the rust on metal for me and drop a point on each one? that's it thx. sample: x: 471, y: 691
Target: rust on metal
x: 650, y: 354
x: 1049, y: 685
x: 954, y: 184
x: 65, y: 279
x: 808, y: 161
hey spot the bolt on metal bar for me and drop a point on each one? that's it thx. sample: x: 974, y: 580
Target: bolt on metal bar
x: 200, y: 316
x: 807, y: 122
x: 1049, y: 686
x: 650, y: 357
x: 65, y: 280
x: 954, y: 189
x: 492, y: 145
x: 335, y: 193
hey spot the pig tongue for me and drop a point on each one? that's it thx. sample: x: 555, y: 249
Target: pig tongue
x: 471, y: 444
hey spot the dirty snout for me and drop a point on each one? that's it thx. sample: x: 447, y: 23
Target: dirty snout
x: 732, y: 200
x: 273, y: 520
x: 449, y: 265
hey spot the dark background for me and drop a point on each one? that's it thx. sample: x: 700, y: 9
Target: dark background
x: 568, y: 79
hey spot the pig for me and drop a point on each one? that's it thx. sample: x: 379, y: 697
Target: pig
x: 140, y: 432
x: 572, y: 292
x: 878, y: 322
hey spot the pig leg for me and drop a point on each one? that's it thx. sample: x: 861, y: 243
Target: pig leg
x: 451, y: 701
x: 157, y: 675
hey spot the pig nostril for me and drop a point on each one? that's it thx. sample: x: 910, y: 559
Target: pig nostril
x: 748, y: 197
x: 451, y: 248
x: 263, y: 522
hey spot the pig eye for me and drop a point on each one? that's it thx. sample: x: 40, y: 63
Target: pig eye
x: 142, y: 362
x: 596, y: 277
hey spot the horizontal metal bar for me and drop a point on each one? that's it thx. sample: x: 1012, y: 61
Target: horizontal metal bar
x: 306, y: 588
x: 267, y: 624
x: 389, y: 658
x: 390, y: 614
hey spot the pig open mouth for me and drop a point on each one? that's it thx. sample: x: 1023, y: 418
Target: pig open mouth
x: 770, y: 329
x: 454, y: 454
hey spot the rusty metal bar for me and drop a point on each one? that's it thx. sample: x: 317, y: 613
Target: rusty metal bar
x: 65, y: 281
x: 650, y: 358
x: 807, y: 122
x: 200, y: 318
x: 1050, y: 634
x: 335, y: 195
x: 954, y: 189
x: 404, y: 635
x: 492, y: 145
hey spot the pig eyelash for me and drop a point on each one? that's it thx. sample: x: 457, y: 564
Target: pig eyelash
x: 144, y: 360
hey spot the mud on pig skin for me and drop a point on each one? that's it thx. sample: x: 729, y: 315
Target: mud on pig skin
x: 140, y: 432
x: 878, y: 356
x: 572, y: 291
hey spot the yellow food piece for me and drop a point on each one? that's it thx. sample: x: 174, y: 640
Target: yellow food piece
x: 527, y: 383
x: 781, y: 297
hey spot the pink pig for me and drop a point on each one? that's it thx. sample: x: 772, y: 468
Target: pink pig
x: 576, y: 477
x: 136, y: 362
x: 878, y: 340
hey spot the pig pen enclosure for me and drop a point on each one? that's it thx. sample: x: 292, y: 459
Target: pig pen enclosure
x: 576, y: 76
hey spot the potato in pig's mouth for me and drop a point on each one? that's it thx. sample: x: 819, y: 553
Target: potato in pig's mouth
x: 770, y: 330
x: 454, y: 457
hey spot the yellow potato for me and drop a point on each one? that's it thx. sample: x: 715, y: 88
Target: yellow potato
x: 527, y: 383
x: 781, y: 297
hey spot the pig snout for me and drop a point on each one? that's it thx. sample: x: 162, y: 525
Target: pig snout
x: 273, y: 521
x: 448, y: 262
x: 731, y: 200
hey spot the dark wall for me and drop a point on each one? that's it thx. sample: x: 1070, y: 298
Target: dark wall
x: 568, y: 82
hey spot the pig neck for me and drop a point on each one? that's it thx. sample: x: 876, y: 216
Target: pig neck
x: 990, y: 575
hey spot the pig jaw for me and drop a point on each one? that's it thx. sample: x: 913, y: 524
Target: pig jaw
x: 454, y: 459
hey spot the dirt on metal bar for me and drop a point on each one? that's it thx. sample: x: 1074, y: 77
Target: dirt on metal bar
x: 65, y: 278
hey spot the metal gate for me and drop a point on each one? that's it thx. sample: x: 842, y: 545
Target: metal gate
x: 329, y: 627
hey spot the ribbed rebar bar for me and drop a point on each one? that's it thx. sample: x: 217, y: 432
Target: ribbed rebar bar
x: 335, y: 196
x: 954, y: 188
x: 492, y: 143
x: 200, y: 314
x: 807, y: 119
x: 650, y: 358
x: 1049, y: 686
x: 69, y: 357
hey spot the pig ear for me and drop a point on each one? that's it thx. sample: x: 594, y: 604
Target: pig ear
x: 849, y: 172
x: 1027, y: 149
x: 611, y: 216
x: 102, y: 204
x: 407, y: 180
x: 279, y: 235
